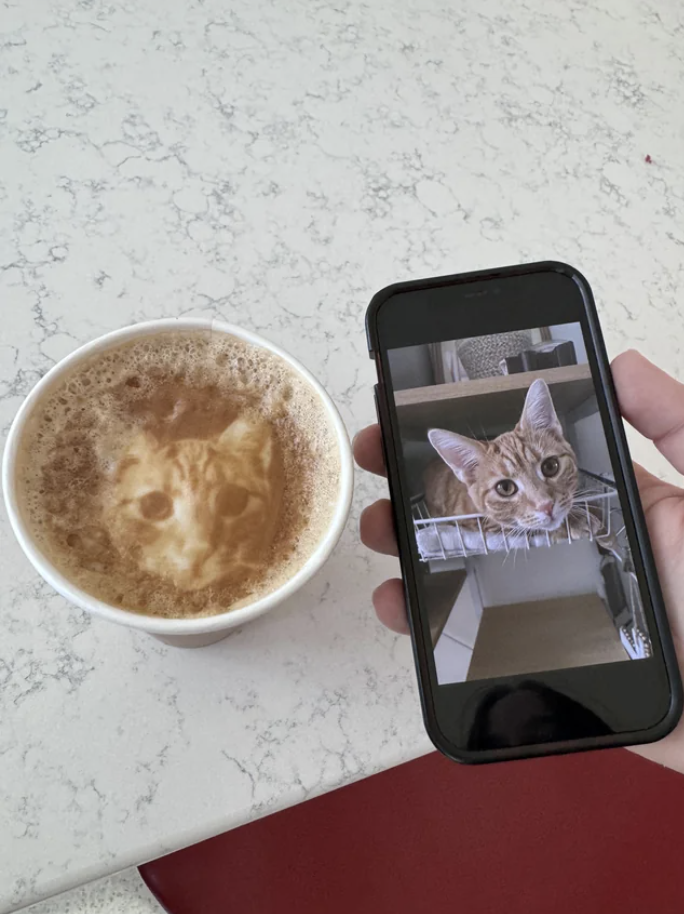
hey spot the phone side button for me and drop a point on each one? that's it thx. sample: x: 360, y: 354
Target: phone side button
x: 377, y: 404
x: 376, y: 392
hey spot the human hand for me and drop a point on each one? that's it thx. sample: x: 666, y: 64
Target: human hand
x: 653, y: 403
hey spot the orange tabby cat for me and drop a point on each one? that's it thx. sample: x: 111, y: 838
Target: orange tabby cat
x: 525, y: 479
x: 196, y: 512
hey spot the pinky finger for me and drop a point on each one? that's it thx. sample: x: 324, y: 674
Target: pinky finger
x: 388, y: 600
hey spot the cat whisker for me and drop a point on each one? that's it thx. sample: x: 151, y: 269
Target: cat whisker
x: 510, y: 528
x: 577, y: 509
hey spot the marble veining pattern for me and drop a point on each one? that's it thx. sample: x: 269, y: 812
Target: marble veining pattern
x: 272, y: 164
x: 124, y: 893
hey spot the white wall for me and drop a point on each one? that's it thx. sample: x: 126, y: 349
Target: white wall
x: 452, y: 660
x: 464, y: 621
x: 411, y: 366
x: 562, y: 570
x: 454, y: 650
x: 571, y: 332
x: 589, y: 441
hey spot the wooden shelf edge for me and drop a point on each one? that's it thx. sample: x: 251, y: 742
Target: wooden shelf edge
x: 497, y: 384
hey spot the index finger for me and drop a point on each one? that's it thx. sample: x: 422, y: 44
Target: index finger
x: 368, y: 450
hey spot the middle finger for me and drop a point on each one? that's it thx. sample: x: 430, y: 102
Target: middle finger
x: 377, y: 528
x: 368, y: 450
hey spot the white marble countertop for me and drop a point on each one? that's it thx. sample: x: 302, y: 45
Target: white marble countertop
x: 273, y: 164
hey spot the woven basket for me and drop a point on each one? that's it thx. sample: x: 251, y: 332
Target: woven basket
x: 480, y: 355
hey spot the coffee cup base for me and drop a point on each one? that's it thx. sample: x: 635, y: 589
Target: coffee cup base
x: 193, y: 640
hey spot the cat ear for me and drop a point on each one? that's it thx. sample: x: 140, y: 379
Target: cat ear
x: 139, y: 449
x: 142, y: 444
x: 539, y: 413
x: 240, y: 432
x: 461, y: 454
x: 246, y: 433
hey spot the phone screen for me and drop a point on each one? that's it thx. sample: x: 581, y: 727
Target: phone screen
x: 534, y: 603
x: 517, y: 522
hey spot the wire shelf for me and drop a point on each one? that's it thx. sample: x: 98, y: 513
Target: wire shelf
x: 465, y: 535
x: 634, y: 631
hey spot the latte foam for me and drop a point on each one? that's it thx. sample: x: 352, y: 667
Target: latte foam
x: 179, y: 475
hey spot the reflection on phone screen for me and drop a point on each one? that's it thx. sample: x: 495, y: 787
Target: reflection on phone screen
x: 524, y: 563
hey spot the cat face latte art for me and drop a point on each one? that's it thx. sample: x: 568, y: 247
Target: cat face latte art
x: 180, y: 474
x: 193, y: 511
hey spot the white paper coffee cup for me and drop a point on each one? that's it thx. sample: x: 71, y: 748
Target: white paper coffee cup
x: 181, y: 632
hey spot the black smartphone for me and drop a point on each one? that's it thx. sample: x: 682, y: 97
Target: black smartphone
x: 536, y: 615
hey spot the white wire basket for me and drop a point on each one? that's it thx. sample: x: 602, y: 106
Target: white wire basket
x: 634, y: 631
x: 465, y: 535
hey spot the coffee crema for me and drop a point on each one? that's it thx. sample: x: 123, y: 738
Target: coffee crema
x: 180, y: 474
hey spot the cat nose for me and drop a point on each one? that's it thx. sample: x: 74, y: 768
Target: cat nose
x: 546, y: 508
x: 198, y: 549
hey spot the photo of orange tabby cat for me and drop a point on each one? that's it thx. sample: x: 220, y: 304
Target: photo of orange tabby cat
x: 525, y: 479
x: 196, y: 511
x: 521, y: 557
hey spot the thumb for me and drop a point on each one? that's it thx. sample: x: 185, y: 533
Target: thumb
x: 653, y: 402
x: 651, y: 489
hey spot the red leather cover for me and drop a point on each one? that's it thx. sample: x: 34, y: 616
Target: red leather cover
x: 595, y: 833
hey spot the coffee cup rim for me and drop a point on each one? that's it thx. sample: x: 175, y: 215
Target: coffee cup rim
x: 231, y: 618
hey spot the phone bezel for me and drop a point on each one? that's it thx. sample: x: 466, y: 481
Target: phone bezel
x: 645, y: 694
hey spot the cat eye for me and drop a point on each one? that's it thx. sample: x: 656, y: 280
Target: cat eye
x: 156, y: 506
x: 231, y: 500
x: 506, y: 487
x: 550, y: 466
